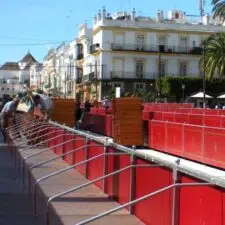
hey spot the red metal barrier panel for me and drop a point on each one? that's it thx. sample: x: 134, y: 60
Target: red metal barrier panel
x: 145, y: 115
x: 50, y: 136
x: 174, y: 138
x: 211, y: 112
x: 156, y: 134
x: 79, y: 155
x: 108, y: 125
x: 213, y: 120
x: 196, y: 119
x: 214, y: 153
x: 157, y: 116
x: 59, y: 150
x: 69, y: 147
x: 110, y: 184
x: 168, y: 117
x: 193, y: 142
x: 124, y: 180
x: 158, y: 209
x: 95, y: 167
x: 181, y: 118
x: 223, y: 121
x: 200, y: 205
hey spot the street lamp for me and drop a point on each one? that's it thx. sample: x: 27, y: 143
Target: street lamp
x: 203, y: 82
x: 183, y: 88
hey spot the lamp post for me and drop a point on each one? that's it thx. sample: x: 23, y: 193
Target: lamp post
x: 203, y: 81
x: 183, y: 88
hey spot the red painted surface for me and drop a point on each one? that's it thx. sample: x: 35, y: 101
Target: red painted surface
x: 95, y: 167
x: 59, y: 149
x: 157, y: 135
x: 200, y: 205
x: 79, y: 155
x: 214, y: 153
x: 124, y: 180
x: 174, y: 138
x: 50, y: 136
x: 110, y: 169
x: 193, y: 142
x: 181, y: 118
x: 69, y: 147
x: 168, y: 117
x: 155, y: 210
x: 213, y: 121
x: 196, y: 119
x: 109, y: 125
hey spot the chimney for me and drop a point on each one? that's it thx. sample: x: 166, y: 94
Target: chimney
x: 206, y: 19
x: 159, y: 16
x: 133, y: 15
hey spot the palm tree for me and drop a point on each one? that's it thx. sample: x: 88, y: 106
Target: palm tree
x: 214, y: 54
x: 219, y: 9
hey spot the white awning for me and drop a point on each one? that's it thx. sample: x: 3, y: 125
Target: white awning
x: 200, y: 95
x: 221, y: 96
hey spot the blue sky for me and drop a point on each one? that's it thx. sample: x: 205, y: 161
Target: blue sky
x: 37, y: 21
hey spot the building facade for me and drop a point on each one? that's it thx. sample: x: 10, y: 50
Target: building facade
x: 14, y: 76
x: 35, y: 75
x: 130, y: 51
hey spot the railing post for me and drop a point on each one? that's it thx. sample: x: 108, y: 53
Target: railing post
x: 105, y: 169
x: 86, y: 155
x: 176, y: 197
x: 132, y: 180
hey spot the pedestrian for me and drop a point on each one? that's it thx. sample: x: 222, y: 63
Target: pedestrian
x: 78, y: 114
x: 106, y: 103
x: 45, y: 104
x: 8, y: 114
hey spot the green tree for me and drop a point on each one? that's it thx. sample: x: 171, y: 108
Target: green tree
x: 219, y: 9
x: 214, y: 56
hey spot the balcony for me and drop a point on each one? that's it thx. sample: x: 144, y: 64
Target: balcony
x: 88, y: 77
x: 94, y: 48
x: 118, y: 75
x: 157, y: 49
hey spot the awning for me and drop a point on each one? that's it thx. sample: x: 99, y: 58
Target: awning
x: 200, y: 95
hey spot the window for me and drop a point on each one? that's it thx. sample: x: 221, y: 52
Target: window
x: 139, y: 69
x: 162, y: 43
x: 140, y: 42
x: 183, y: 68
x: 183, y: 44
x: 194, y: 44
x: 3, y: 89
x: 139, y: 86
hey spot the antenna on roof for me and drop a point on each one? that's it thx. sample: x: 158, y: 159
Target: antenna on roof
x: 202, y: 7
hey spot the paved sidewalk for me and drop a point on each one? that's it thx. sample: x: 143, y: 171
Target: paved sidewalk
x: 15, y: 203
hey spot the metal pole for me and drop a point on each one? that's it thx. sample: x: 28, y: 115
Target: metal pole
x: 141, y: 199
x: 204, y: 84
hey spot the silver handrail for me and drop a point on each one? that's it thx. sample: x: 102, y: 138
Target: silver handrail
x: 33, y: 131
x: 92, y: 182
x: 30, y: 140
x: 40, y: 152
x: 141, y: 199
x: 26, y: 125
x: 15, y: 126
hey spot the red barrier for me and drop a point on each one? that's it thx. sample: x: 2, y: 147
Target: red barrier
x: 51, y: 136
x: 95, y: 167
x: 196, y: 119
x: 214, y: 153
x: 213, y: 121
x: 59, y: 149
x: 79, y: 155
x: 181, y: 118
x: 200, y: 205
x: 69, y: 147
x: 174, y: 138
x: 108, y: 124
x: 124, y: 180
x: 157, y: 136
x: 158, y: 209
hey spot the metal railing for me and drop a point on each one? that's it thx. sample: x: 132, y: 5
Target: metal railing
x: 152, y: 194
x: 94, y: 180
x: 178, y: 49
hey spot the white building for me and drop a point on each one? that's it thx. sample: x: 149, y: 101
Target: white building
x: 14, y: 75
x: 131, y: 52
x: 35, y: 75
